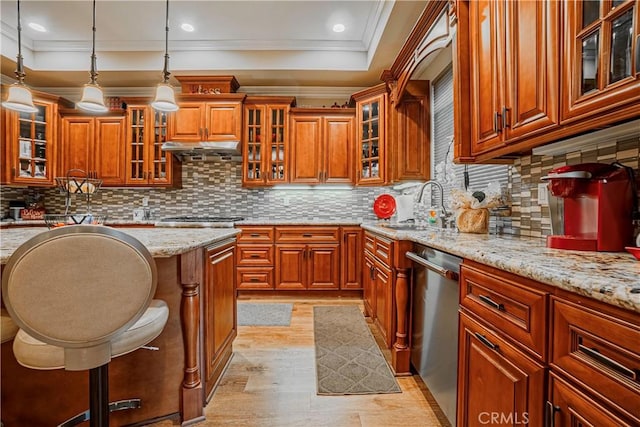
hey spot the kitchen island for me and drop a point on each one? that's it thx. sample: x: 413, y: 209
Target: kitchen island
x: 170, y: 380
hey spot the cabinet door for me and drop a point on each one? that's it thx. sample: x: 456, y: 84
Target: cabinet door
x: 109, y: 150
x: 290, y: 266
x: 600, y: 64
x: 254, y: 151
x: 338, y: 150
x: 323, y: 266
x: 351, y: 258
x: 371, y: 134
x: 161, y: 163
x: 487, y: 23
x: 137, y: 152
x: 306, y: 149
x: 413, y: 151
x: 188, y: 123
x: 277, y: 132
x: 220, y: 326
x: 369, y: 287
x: 78, y: 135
x: 568, y: 406
x: 223, y: 121
x: 385, y: 311
x: 496, y: 378
x: 532, y: 51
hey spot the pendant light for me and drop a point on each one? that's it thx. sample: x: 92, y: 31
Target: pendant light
x: 92, y: 96
x: 19, y: 95
x: 165, y: 99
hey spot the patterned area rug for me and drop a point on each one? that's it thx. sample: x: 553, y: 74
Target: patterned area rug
x: 272, y: 314
x: 348, y: 360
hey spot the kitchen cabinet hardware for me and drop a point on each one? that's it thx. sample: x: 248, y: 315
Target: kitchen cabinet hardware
x: 372, y: 273
x: 496, y: 122
x: 255, y: 256
x: 610, y: 363
x: 550, y: 414
x: 255, y: 235
x: 487, y: 300
x: 449, y: 274
x: 254, y: 279
x: 307, y: 235
x: 505, y: 123
x: 486, y: 342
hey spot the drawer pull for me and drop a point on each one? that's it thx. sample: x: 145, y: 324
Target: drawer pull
x: 621, y: 369
x: 255, y: 235
x: 254, y: 279
x: 486, y: 342
x: 487, y: 300
x: 550, y: 414
x: 307, y: 235
x: 255, y: 256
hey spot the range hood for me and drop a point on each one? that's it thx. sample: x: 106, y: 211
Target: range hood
x: 203, y: 149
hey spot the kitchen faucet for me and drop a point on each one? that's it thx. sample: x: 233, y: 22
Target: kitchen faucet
x: 445, y: 214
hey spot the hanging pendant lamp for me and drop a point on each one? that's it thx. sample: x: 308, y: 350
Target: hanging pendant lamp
x: 92, y: 96
x: 165, y: 99
x: 19, y: 96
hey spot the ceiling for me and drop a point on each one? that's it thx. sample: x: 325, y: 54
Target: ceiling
x: 262, y: 43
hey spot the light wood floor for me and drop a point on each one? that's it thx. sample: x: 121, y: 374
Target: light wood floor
x: 271, y: 382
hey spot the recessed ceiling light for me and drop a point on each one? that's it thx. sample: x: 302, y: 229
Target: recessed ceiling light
x: 187, y: 27
x: 338, y: 28
x: 37, y: 27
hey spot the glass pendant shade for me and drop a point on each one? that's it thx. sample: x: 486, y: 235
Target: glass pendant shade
x: 165, y: 99
x: 92, y: 99
x: 19, y: 99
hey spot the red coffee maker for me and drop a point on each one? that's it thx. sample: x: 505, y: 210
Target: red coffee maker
x: 594, y: 206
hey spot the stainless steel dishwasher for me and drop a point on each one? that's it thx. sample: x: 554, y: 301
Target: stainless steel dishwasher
x: 434, y: 348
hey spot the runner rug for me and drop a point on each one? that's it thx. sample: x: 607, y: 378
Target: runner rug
x: 348, y: 360
x: 273, y: 314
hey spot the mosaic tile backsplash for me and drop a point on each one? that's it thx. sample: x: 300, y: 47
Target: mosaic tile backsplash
x: 215, y: 188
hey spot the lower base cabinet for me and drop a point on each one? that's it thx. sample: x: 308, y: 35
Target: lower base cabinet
x: 219, y: 311
x: 498, y: 383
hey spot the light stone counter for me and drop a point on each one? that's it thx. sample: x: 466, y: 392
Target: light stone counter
x: 301, y: 221
x: 161, y: 242
x: 610, y: 277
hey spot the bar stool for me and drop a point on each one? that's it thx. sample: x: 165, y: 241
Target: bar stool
x: 81, y: 295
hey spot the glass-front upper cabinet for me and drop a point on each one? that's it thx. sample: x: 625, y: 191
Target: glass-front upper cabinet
x: 30, y: 145
x: 601, y: 69
x: 370, y: 106
x: 265, y: 140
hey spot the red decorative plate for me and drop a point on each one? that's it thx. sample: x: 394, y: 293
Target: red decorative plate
x: 633, y: 251
x: 384, y: 206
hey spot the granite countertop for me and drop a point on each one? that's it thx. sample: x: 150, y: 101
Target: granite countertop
x: 161, y: 242
x: 611, y: 277
x: 301, y: 221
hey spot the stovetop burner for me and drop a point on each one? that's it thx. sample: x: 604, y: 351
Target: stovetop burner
x: 202, y: 219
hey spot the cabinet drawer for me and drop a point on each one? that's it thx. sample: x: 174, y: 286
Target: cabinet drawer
x: 600, y: 351
x: 307, y: 234
x: 255, y: 255
x: 256, y: 234
x: 508, y: 305
x: 254, y: 278
x: 369, y: 242
x: 382, y: 250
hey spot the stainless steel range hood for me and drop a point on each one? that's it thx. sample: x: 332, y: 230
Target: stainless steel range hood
x: 204, y: 150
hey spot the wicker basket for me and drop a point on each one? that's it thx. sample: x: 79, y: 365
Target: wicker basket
x: 55, y: 220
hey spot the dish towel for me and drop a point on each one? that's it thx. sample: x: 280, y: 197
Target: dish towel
x: 404, y: 207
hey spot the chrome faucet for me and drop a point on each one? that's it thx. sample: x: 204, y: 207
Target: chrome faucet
x: 445, y: 214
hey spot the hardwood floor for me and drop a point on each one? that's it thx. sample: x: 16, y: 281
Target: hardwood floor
x: 271, y: 382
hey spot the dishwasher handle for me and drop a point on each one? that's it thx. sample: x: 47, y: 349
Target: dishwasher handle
x: 449, y: 274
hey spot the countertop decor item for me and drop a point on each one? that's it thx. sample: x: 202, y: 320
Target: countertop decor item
x: 633, y: 251
x: 384, y: 206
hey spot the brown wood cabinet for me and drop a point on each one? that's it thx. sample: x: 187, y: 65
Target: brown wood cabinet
x: 307, y: 258
x: 255, y: 263
x: 266, y: 140
x: 351, y: 258
x: 514, y: 70
x: 95, y: 145
x: 29, y: 145
x: 207, y: 118
x: 600, y: 64
x: 322, y: 146
x: 219, y: 311
x: 371, y: 124
x: 494, y: 377
x: 380, y: 285
x: 146, y: 163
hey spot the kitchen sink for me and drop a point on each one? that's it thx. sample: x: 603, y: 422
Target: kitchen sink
x: 405, y: 227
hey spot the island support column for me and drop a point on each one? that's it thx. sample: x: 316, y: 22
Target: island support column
x: 191, y: 276
x: 401, y: 350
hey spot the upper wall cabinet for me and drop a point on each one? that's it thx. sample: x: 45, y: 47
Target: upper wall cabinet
x: 29, y: 144
x: 265, y: 140
x: 513, y: 49
x: 371, y: 119
x: 601, y: 63
x: 146, y: 163
x: 207, y: 118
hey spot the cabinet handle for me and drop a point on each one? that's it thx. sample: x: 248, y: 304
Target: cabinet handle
x: 487, y: 300
x: 307, y: 235
x: 254, y: 279
x: 486, y: 342
x: 496, y: 122
x: 255, y: 235
x: 372, y: 273
x: 505, y: 123
x: 255, y: 256
x: 610, y: 363
x: 550, y: 414
x: 206, y: 133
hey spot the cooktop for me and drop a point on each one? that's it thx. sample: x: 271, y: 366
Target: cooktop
x: 202, y: 219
